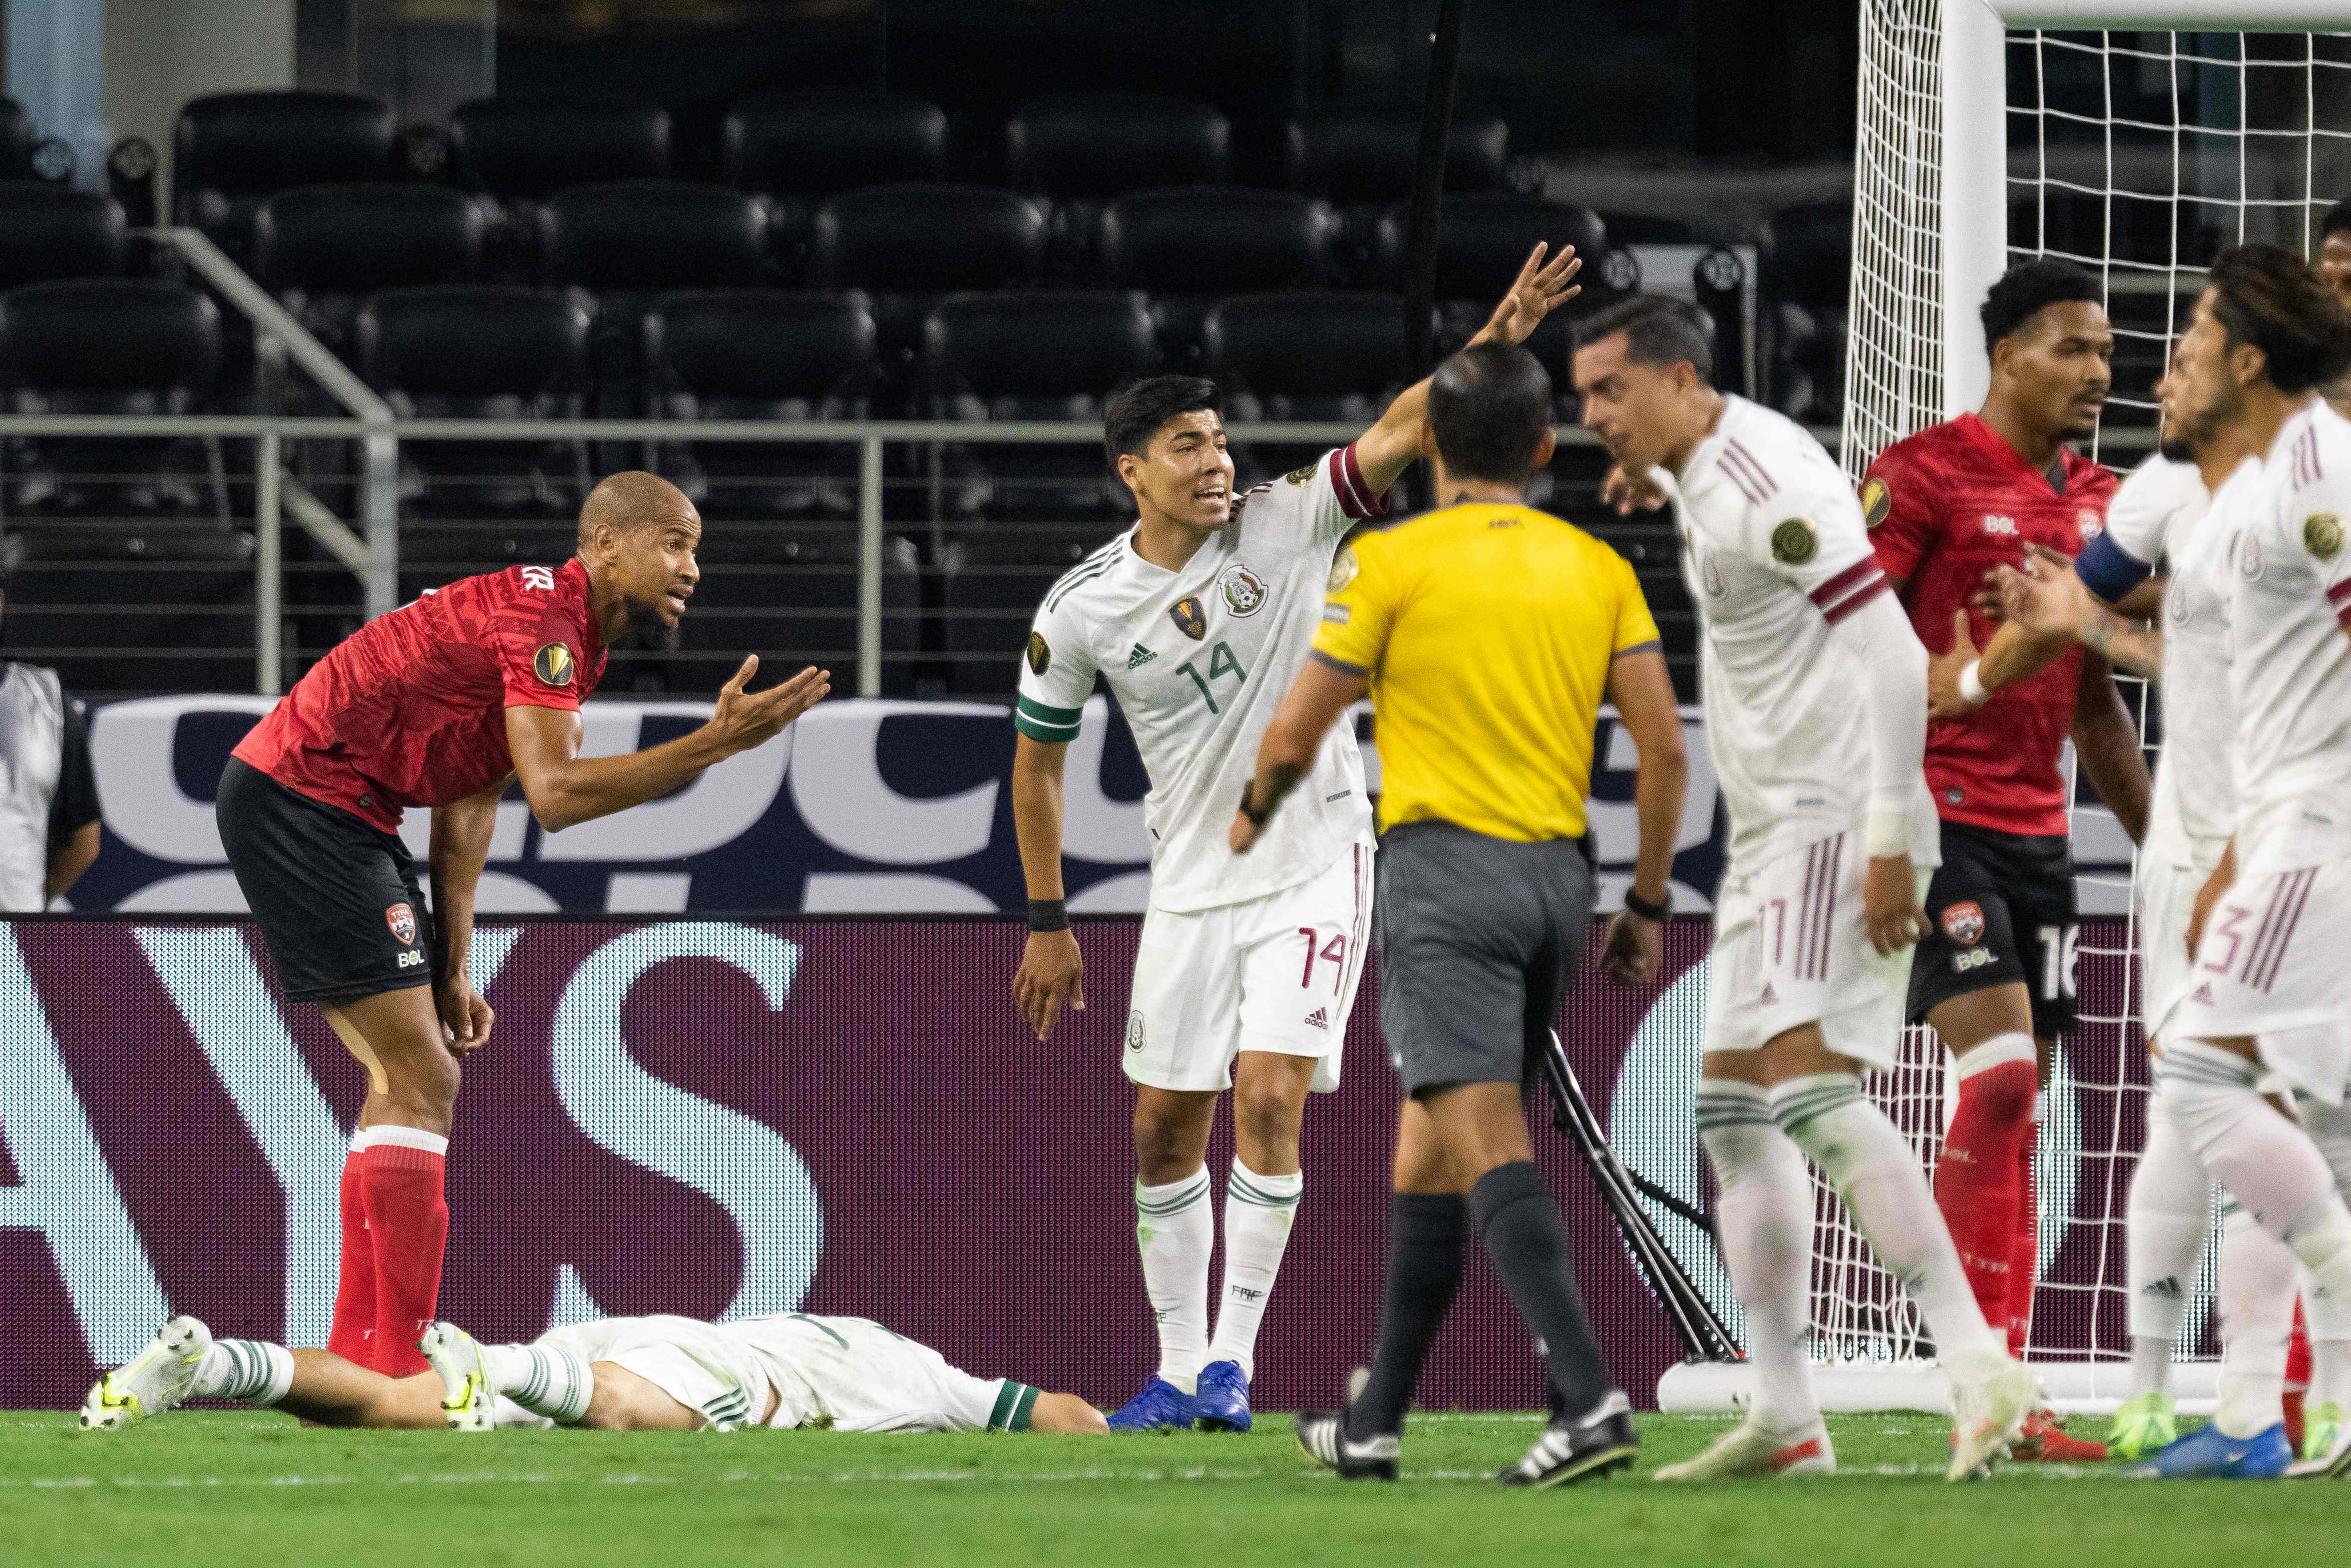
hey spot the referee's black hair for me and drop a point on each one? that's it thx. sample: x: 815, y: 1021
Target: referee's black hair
x: 2337, y: 219
x: 1136, y: 411
x: 2277, y: 302
x: 1659, y: 333
x: 2030, y: 288
x: 1490, y: 408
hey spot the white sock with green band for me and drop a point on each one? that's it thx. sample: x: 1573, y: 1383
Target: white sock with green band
x: 1259, y: 1213
x: 247, y: 1369
x: 543, y: 1379
x: 1174, y: 1228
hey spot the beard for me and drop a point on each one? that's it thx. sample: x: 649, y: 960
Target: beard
x: 646, y: 632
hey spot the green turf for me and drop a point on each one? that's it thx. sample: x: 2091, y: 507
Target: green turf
x: 200, y: 1489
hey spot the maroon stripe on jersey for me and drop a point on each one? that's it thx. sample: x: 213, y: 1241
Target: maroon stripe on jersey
x: 1805, y: 911
x: 1746, y: 483
x: 1355, y: 497
x: 1756, y: 471
x: 1835, y: 857
x: 2258, y: 952
x: 1849, y: 578
x: 2340, y: 594
x: 1854, y: 600
x: 2294, y: 895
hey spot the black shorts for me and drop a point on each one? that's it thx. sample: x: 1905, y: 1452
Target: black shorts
x: 336, y: 898
x: 1999, y: 912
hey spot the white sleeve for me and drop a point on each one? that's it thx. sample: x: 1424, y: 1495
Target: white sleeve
x: 1893, y: 669
x: 2140, y: 514
x: 1321, y: 501
x: 1057, y: 668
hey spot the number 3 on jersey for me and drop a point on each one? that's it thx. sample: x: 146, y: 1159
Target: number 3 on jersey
x: 1221, y: 663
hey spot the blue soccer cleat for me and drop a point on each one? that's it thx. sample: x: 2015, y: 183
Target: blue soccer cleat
x: 1222, y: 1404
x: 2210, y: 1454
x: 1161, y: 1404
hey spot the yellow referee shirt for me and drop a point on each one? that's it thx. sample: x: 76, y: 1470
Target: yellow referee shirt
x: 1486, y: 631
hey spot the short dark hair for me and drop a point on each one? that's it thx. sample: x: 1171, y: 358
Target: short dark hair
x: 2337, y: 219
x: 1490, y: 407
x: 1137, y: 410
x: 2030, y: 288
x: 1659, y: 333
x: 2277, y: 302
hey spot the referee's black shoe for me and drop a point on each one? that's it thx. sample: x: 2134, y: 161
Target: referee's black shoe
x: 1322, y: 1436
x: 1581, y: 1448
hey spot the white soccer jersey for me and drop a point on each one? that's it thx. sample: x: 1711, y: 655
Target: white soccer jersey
x: 1774, y: 553
x: 2289, y: 660
x: 1199, y: 659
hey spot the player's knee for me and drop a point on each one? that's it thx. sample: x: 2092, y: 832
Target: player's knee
x: 1265, y: 1132
x: 1171, y: 1136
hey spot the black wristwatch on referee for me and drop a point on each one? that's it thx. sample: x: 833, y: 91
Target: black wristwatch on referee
x: 1657, y: 913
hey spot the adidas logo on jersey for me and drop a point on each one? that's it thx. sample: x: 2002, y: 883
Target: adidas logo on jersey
x: 1769, y: 996
x: 1142, y: 655
x: 1319, y: 1018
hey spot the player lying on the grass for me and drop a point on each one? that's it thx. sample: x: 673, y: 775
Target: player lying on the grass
x: 1815, y: 694
x: 617, y: 1375
x: 1198, y: 617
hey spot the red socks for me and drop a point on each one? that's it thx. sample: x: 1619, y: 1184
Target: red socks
x: 2024, y: 1262
x: 352, y: 1337
x: 403, y: 1230
x: 1977, y: 1181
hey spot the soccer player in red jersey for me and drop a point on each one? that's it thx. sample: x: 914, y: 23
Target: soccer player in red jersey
x: 441, y: 704
x: 1995, y: 973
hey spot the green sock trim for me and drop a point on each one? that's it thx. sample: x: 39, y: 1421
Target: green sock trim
x: 1008, y: 1396
x: 1021, y: 1409
x: 1237, y: 1185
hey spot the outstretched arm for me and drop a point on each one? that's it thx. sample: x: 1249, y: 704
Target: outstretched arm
x: 1389, y: 447
x: 1324, y: 689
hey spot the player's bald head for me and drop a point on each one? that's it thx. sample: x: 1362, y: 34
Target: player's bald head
x: 630, y: 500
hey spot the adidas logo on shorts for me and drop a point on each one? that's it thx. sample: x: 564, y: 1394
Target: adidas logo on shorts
x: 1318, y: 1018
x: 1142, y: 655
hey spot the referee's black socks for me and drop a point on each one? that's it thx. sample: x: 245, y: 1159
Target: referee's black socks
x: 1425, y: 1233
x: 1519, y: 1222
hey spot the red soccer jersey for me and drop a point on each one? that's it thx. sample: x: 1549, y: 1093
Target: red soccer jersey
x: 410, y: 710
x: 1944, y: 507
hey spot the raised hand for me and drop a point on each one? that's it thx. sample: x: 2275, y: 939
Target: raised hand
x: 743, y: 720
x: 1626, y: 493
x: 1540, y: 288
x: 1944, y: 698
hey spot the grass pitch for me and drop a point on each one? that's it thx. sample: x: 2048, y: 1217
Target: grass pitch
x: 201, y: 1489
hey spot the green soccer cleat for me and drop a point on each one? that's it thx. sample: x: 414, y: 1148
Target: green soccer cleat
x: 2142, y: 1426
x: 2325, y: 1445
x: 155, y: 1380
x: 467, y: 1400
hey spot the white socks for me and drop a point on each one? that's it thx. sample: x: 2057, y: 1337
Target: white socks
x: 2329, y: 1320
x: 1872, y: 1170
x: 2257, y: 1281
x: 545, y: 1379
x: 1763, y: 1210
x: 247, y: 1369
x: 2170, y: 1205
x: 1259, y: 1212
x: 1174, y: 1228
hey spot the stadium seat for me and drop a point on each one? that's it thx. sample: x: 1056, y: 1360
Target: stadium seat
x: 906, y: 244
x: 519, y: 152
x: 1307, y: 355
x: 322, y: 248
x: 1046, y: 355
x: 1481, y: 243
x: 1801, y: 282
x: 769, y: 355
x: 793, y: 607
x: 124, y: 607
x: 989, y: 588
x: 630, y: 240
x: 1363, y: 163
x: 796, y: 148
x: 1192, y: 245
x: 233, y: 148
x: 47, y: 231
x: 1080, y: 149
x: 486, y: 351
x: 17, y: 141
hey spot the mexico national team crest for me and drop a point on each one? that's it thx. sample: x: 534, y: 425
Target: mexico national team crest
x: 402, y: 921
x: 1244, y: 590
x: 1189, y: 618
x: 1963, y: 923
x: 553, y: 665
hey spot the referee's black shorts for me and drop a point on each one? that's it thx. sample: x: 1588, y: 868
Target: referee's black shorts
x: 337, y: 898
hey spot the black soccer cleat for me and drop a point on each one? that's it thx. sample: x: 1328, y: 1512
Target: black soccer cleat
x: 1322, y: 1437
x: 1579, y: 1448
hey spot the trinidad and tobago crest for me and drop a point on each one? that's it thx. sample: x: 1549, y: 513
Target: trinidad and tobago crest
x: 402, y: 921
x: 1189, y: 618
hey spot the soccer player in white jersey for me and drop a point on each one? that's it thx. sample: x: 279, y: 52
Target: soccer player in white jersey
x: 1809, y: 666
x: 1198, y: 617
x: 655, y: 1373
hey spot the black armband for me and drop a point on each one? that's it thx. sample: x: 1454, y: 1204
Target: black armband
x: 1049, y: 915
x: 1660, y: 911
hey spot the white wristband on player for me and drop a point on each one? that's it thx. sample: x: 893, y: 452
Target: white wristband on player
x: 1888, y: 833
x: 1971, y: 684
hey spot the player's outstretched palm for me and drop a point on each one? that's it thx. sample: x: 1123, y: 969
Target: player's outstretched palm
x: 1540, y: 288
x: 743, y: 720
x: 1052, y: 974
x: 1890, y: 911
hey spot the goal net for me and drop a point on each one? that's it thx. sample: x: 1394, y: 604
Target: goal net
x: 1986, y: 138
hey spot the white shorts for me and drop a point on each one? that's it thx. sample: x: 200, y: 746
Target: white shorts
x: 1250, y: 977
x: 2167, y: 902
x: 794, y: 1370
x: 1790, y: 948
x: 2275, y: 966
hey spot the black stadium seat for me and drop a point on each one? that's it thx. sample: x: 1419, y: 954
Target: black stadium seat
x: 1307, y: 355
x: 631, y: 239
x: 1080, y: 149
x: 16, y: 142
x: 47, y: 231
x: 1800, y: 284
x: 519, y: 152
x: 321, y: 249
x: 906, y: 244
x: 796, y: 148
x: 1189, y: 247
x: 1046, y: 355
x: 1481, y: 243
x: 233, y: 148
x: 1363, y: 165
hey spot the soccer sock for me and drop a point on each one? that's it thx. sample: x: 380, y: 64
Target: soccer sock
x: 2329, y: 1369
x: 401, y: 1181
x: 1519, y: 1221
x: 1176, y: 1228
x: 2024, y: 1258
x: 1763, y: 1213
x: 544, y: 1379
x: 247, y: 1369
x: 1871, y: 1169
x: 2170, y: 1207
x: 1425, y: 1233
x: 352, y: 1334
x: 1976, y: 1179
x: 1259, y: 1212
x: 2257, y: 1279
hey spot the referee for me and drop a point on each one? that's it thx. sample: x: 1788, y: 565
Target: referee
x: 1488, y: 634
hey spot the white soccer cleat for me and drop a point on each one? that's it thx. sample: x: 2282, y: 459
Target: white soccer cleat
x: 1987, y: 1413
x: 1750, y: 1449
x: 155, y: 1380
x: 468, y: 1401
